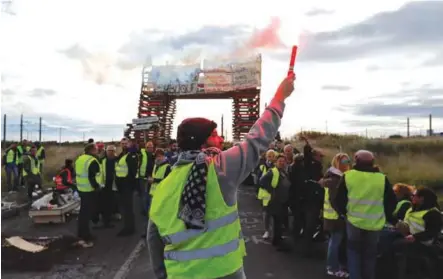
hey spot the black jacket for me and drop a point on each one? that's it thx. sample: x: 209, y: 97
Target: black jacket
x: 313, y: 168
x: 93, y: 169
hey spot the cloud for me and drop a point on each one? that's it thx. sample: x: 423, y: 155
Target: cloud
x: 8, y: 92
x: 372, y: 68
x: 414, y: 26
x: 318, y: 12
x: 188, y: 46
x: 98, y: 67
x: 41, y: 92
x: 384, y: 122
x: 436, y: 60
x: 336, y: 87
x: 418, y: 102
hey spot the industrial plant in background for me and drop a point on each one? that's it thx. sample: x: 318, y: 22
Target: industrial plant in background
x: 239, y: 80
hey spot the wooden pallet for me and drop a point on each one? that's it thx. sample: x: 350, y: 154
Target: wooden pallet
x: 56, y: 215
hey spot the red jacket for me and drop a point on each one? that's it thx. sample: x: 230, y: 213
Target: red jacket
x: 63, y: 177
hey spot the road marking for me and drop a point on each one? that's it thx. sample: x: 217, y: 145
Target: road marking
x: 126, y: 266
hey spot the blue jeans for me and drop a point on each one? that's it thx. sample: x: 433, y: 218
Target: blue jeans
x: 362, y: 252
x: 11, y: 173
x: 332, y: 260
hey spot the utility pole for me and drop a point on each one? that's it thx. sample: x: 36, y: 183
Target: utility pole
x: 366, y: 132
x: 222, y: 124
x: 431, y: 133
x: 40, y: 130
x: 83, y: 136
x: 21, y: 127
x: 60, y: 135
x: 326, y: 126
x: 4, y: 131
x: 407, y: 127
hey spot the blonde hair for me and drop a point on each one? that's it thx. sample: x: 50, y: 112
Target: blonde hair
x: 337, y: 159
x: 270, y: 152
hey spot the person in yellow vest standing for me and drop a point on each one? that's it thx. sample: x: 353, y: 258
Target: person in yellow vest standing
x: 107, y: 194
x: 161, y: 170
x: 88, y: 178
x: 332, y: 222
x: 142, y: 177
x: 264, y: 195
x: 10, y: 162
x: 126, y: 172
x: 41, y: 155
x: 194, y: 229
x: 276, y: 183
x: 366, y: 198
x: 19, y: 162
x: 31, y: 171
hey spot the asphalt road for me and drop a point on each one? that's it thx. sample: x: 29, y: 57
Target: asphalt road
x: 119, y: 258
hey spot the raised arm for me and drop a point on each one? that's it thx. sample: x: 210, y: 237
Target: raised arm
x: 236, y: 163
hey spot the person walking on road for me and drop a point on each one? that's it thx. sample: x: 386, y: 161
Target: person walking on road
x: 366, y: 198
x: 194, y: 229
x: 88, y: 178
x: 41, y: 155
x: 161, y: 170
x: 126, y: 171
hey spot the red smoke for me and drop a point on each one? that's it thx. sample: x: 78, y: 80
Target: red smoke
x: 267, y: 37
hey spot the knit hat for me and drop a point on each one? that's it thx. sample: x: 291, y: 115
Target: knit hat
x: 192, y: 133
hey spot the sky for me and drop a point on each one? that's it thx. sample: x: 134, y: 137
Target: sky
x: 363, y: 66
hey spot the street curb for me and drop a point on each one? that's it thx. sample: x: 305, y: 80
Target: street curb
x: 123, y: 271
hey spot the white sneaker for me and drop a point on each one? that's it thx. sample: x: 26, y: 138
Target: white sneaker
x: 266, y: 235
x: 337, y: 274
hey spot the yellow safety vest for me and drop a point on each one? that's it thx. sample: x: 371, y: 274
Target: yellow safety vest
x: 415, y: 221
x: 35, y: 166
x: 214, y: 252
x: 10, y: 155
x: 365, y: 209
x: 144, y: 163
x: 19, y: 158
x: 121, y: 168
x: 399, y: 205
x: 103, y: 166
x: 328, y: 211
x: 82, y: 170
x: 262, y: 192
x: 39, y: 153
x: 28, y: 148
x: 266, y: 197
x: 157, y: 174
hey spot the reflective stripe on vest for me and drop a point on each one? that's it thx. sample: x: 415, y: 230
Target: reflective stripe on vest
x: 365, y: 208
x: 82, y: 170
x: 415, y: 221
x: 399, y: 205
x: 35, y: 166
x: 211, y: 226
x: 121, y: 168
x: 157, y: 174
x: 205, y: 253
x: 188, y: 252
x: 266, y: 196
x: 328, y: 211
x: 144, y: 163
